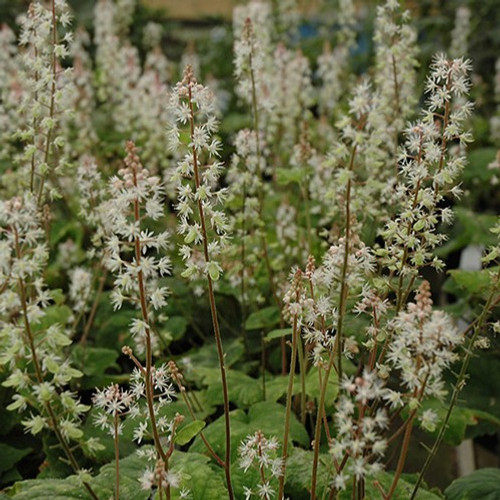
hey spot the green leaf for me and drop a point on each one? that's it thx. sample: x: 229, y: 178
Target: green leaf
x: 473, y: 282
x: 403, y: 490
x: 276, y: 386
x: 264, y: 318
x: 313, y: 387
x: 484, y: 396
x: 269, y: 417
x: 277, y: 334
x: 188, y: 432
x: 213, y: 271
x: 131, y: 469
x: 207, y: 356
x: 96, y: 363
x: 249, y: 478
x: 285, y: 176
x: 197, y: 476
x: 299, y: 471
x: 49, y: 489
x: 470, y: 228
x: 483, y: 484
x: 175, y: 327
x: 53, y: 314
x: 477, y: 168
x: 107, y: 452
x: 243, y: 390
x: 111, y: 328
x: 460, y: 419
x: 57, y: 295
x: 9, y: 456
x: 62, y: 229
x: 203, y: 406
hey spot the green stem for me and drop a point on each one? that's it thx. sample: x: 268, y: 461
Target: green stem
x: 213, y: 311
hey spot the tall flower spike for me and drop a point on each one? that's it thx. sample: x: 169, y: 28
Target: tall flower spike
x: 133, y: 255
x: 428, y: 172
x: 135, y: 194
x: 33, y: 353
x: 202, y: 222
x: 41, y: 105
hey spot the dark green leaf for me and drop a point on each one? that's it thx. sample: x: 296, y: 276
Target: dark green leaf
x: 264, y: 318
x: 98, y: 365
x: 9, y: 456
x: 483, y: 484
x: 473, y: 282
x: 175, y: 327
x: 277, y: 334
x: 243, y: 390
x: 268, y: 417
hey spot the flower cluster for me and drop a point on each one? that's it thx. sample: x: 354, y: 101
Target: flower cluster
x: 32, y: 351
x: 260, y: 452
x: 396, y: 63
x: 130, y: 246
x: 251, y: 60
x: 245, y: 194
x: 333, y: 63
x: 133, y: 94
x: 111, y: 403
x: 424, y: 346
x: 202, y: 222
x: 319, y: 313
x: 428, y: 171
x: 461, y: 32
x: 358, y: 444
x: 10, y: 90
x: 42, y: 98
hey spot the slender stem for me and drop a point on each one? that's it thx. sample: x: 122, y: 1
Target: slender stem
x: 317, y: 431
x: 243, y: 268
x: 48, y: 138
x: 34, y: 125
x: 302, y: 369
x: 270, y: 273
x: 171, y: 447
x: 145, y: 317
x: 344, y: 291
x: 117, y: 457
x: 402, y: 455
x: 213, y: 311
x: 202, y: 436
x: 263, y: 365
x: 95, y: 305
x: 289, y: 397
